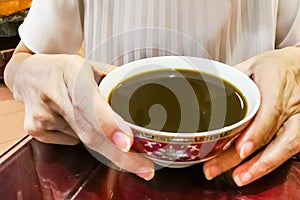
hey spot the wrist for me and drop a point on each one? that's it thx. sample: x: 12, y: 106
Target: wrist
x: 292, y: 53
x: 12, y: 68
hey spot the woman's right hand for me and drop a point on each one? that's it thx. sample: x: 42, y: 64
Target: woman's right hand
x: 63, y: 105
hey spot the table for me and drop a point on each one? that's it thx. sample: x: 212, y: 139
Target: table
x: 35, y: 171
x: 46, y: 171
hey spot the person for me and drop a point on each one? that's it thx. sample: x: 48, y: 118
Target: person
x: 60, y: 89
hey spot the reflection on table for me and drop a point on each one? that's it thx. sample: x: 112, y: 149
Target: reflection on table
x: 46, y: 171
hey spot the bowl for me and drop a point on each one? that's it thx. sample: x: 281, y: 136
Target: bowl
x: 182, y: 148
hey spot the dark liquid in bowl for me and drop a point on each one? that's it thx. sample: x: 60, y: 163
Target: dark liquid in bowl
x: 178, y: 101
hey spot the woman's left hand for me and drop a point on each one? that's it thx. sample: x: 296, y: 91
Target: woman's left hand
x: 275, y: 131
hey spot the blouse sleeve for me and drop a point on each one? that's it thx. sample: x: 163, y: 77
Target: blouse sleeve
x: 53, y: 26
x: 288, y: 23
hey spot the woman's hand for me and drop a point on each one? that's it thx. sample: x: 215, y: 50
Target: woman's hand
x: 275, y: 130
x: 63, y: 105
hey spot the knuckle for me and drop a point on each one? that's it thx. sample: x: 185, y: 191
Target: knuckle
x: 41, y: 120
x: 82, y: 96
x: 264, y: 136
x: 32, y: 127
x: 45, y: 98
x: 36, y: 122
x: 263, y: 139
x: 125, y: 161
x: 290, y: 136
x: 294, y: 146
x: 17, y: 96
x: 266, y: 165
x: 123, y: 164
x: 89, y: 139
x: 107, y: 127
x: 81, y: 102
x: 89, y: 136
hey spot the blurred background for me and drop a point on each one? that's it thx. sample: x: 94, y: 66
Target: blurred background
x: 12, y: 14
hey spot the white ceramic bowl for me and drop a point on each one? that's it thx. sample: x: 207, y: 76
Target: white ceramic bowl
x: 185, y: 149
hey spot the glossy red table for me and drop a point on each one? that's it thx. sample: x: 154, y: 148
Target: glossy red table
x: 44, y: 171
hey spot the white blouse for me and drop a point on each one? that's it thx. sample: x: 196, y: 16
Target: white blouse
x: 120, y: 31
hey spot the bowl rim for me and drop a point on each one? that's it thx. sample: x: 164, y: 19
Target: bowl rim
x: 219, y: 131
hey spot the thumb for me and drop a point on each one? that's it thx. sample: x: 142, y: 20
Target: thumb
x: 93, y: 108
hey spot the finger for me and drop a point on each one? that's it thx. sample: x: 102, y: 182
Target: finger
x: 37, y: 128
x: 284, y: 146
x: 44, y: 114
x: 129, y: 161
x: 93, y: 119
x: 221, y: 163
x: 89, y: 103
x: 55, y: 137
x: 47, y: 128
x: 268, y: 119
x: 108, y: 123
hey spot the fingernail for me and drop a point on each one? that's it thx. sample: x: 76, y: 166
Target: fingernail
x: 207, y: 174
x: 211, y: 172
x: 246, y: 149
x: 242, y: 178
x: 145, y: 173
x: 121, y: 141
